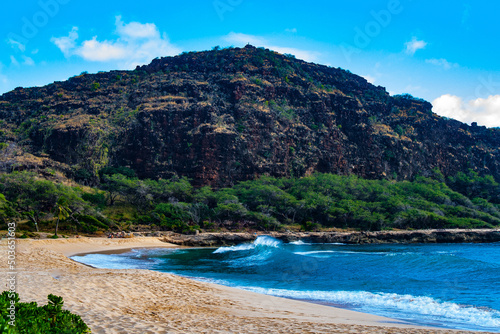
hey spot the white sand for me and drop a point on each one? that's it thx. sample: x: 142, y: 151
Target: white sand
x: 143, y: 301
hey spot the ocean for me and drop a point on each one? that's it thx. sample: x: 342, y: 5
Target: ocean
x: 452, y: 286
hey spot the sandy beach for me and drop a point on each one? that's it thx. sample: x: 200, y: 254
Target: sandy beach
x: 143, y: 301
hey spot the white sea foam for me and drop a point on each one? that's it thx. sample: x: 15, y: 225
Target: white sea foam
x: 323, y: 253
x: 135, y: 259
x: 302, y: 243
x: 315, y: 253
x: 393, y: 304
x: 105, y: 261
x: 299, y: 243
x: 262, y: 241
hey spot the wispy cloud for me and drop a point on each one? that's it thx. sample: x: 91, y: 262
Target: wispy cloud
x: 243, y: 39
x: 16, y: 44
x: 137, y: 43
x: 483, y: 111
x: 414, y: 45
x: 291, y: 30
x: 28, y: 60
x: 239, y: 39
x: 442, y: 63
x: 14, y: 61
x: 369, y: 78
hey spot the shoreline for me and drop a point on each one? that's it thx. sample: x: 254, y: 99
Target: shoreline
x: 122, y: 250
x: 414, y: 324
x: 365, y: 237
x: 143, y: 301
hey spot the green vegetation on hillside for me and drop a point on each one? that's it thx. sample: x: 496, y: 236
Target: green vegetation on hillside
x: 314, y: 202
x: 42, y: 204
x: 228, y: 115
x: 31, y: 318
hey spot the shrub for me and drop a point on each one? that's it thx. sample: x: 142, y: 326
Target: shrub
x: 96, y: 198
x: 95, y: 86
x: 31, y: 318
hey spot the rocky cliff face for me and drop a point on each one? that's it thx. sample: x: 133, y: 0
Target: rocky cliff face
x: 222, y: 116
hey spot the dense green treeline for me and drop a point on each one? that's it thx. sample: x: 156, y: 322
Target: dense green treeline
x: 123, y: 201
x: 43, y: 204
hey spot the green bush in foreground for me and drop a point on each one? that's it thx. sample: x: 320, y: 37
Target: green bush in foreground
x: 33, y: 319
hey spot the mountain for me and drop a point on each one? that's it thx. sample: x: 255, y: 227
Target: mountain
x: 226, y: 115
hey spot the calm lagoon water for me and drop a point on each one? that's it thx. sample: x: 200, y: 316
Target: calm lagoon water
x: 445, y: 285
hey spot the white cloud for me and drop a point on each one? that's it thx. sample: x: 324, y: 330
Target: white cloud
x: 135, y: 30
x: 28, y: 60
x: 483, y: 111
x: 240, y: 39
x: 137, y: 44
x: 414, y: 45
x: 310, y: 56
x: 292, y: 30
x: 94, y: 50
x: 442, y: 63
x: 68, y: 43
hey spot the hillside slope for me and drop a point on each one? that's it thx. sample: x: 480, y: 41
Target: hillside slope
x: 223, y: 116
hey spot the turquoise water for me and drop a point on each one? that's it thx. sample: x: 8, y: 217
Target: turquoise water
x: 446, y: 285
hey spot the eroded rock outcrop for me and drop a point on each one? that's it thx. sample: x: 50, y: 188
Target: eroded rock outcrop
x: 379, y: 237
x: 223, y: 116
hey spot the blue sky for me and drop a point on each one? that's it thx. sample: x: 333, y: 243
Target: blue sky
x: 443, y: 51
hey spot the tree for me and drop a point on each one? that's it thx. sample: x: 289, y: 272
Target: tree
x: 117, y: 185
x: 6, y: 210
x: 61, y: 211
x: 472, y: 185
x: 198, y: 212
x: 30, y: 197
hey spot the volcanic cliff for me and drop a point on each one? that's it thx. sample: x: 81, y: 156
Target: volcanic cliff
x: 223, y: 116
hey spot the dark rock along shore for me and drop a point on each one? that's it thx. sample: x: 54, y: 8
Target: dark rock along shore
x: 381, y: 237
